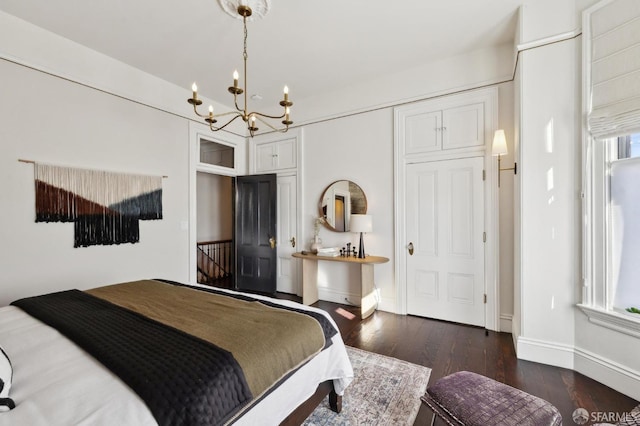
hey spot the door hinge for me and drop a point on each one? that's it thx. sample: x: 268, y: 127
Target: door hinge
x: 484, y: 237
x: 484, y: 175
x: 485, y: 298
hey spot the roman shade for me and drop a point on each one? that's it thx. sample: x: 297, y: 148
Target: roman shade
x: 614, y: 52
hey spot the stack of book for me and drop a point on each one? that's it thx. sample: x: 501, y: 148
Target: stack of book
x: 329, y: 251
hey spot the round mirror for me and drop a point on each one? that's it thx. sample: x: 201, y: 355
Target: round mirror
x: 341, y: 199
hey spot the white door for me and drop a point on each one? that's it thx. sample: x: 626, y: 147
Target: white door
x: 445, y: 219
x: 287, y: 272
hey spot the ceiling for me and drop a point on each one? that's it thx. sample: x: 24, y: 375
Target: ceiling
x: 312, y: 46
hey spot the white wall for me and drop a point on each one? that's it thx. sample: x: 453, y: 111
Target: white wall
x: 24, y: 43
x: 547, y: 206
x: 64, y: 104
x: 47, y: 119
x: 549, y: 177
x: 470, y: 70
x: 357, y: 148
x: 214, y: 204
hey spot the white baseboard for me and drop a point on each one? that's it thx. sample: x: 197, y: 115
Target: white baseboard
x: 506, y: 323
x: 386, y: 304
x: 331, y: 295
x: 515, y: 331
x: 610, y: 373
x: 550, y: 353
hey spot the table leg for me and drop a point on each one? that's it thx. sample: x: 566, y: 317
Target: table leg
x: 309, y: 281
x: 367, y: 298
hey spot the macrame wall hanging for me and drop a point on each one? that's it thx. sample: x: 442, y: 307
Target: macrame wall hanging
x: 105, y: 207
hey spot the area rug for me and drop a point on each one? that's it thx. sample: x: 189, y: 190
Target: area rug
x: 385, y: 391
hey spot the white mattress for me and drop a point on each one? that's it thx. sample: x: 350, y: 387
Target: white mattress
x: 57, y: 383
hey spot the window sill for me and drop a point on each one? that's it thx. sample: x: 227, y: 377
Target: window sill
x: 613, y: 320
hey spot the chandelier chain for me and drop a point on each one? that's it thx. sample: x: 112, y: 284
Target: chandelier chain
x: 244, y: 53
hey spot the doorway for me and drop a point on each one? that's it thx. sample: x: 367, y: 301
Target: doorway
x: 236, y: 231
x: 214, y: 230
x: 222, y: 156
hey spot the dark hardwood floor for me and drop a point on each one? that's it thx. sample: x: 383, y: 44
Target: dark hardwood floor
x: 446, y: 348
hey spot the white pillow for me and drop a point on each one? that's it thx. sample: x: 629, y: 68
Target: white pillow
x: 6, y: 374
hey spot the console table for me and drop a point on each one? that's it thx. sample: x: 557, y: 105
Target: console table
x: 310, y: 278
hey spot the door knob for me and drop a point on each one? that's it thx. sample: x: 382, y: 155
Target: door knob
x: 410, y: 247
x: 293, y: 241
x: 272, y: 242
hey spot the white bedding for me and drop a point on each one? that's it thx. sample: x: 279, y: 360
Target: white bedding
x: 57, y: 383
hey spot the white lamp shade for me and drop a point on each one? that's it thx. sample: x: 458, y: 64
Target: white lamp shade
x: 499, y: 146
x: 361, y: 223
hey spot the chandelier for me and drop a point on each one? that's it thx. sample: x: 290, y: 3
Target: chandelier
x: 249, y: 117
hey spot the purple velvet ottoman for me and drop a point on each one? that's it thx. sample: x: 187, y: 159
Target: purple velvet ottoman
x: 469, y: 399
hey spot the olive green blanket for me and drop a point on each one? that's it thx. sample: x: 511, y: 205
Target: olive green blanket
x: 267, y: 342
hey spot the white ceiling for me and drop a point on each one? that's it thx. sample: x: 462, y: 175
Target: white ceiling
x: 312, y: 46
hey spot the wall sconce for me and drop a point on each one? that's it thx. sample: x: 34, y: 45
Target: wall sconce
x: 498, y: 149
x: 361, y: 223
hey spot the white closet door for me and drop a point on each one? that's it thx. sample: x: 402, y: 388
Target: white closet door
x: 444, y: 221
x: 423, y: 131
x: 463, y: 126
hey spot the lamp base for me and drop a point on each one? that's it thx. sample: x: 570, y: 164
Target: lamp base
x: 361, y: 254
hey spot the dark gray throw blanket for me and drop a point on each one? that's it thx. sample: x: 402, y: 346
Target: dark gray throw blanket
x: 182, y: 379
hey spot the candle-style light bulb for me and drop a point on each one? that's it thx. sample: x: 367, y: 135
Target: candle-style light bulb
x: 236, y: 76
x: 194, y: 89
x: 286, y: 93
x: 210, y: 111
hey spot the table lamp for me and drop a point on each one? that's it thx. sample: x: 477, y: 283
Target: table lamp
x: 361, y: 223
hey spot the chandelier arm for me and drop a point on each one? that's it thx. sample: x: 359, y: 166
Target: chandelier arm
x: 215, y: 129
x: 240, y: 110
x: 266, y: 115
x: 195, y: 110
x: 281, y: 130
x: 238, y: 113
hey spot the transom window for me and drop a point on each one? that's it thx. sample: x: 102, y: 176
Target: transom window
x: 217, y: 154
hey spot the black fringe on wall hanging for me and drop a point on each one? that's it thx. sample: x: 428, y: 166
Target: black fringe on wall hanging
x: 104, y: 206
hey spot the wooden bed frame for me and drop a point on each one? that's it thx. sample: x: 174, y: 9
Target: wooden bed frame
x: 304, y: 410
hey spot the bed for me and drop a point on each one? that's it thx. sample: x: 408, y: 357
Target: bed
x: 166, y: 363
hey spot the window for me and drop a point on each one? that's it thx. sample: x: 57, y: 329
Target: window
x: 624, y: 224
x: 629, y: 146
x: 611, y: 165
x: 611, y: 241
x: 216, y: 154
